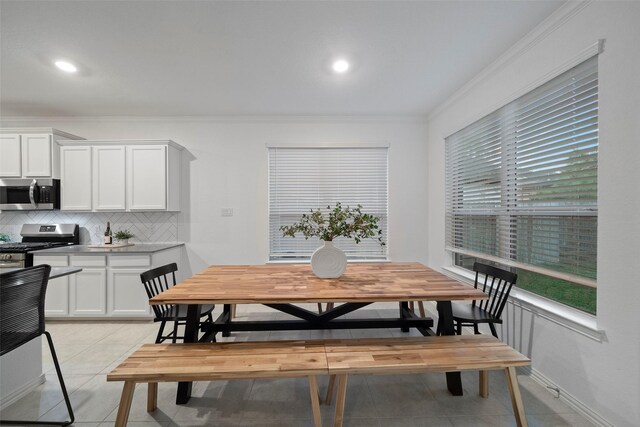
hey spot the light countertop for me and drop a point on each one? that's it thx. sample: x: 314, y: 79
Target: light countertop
x: 55, y: 271
x: 138, y: 248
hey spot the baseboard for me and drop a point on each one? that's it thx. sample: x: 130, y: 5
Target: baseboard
x: 22, y: 391
x: 566, y: 397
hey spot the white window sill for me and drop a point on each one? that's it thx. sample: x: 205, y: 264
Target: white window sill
x: 560, y: 314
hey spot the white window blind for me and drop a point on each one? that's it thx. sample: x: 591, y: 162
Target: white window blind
x: 301, y: 179
x: 521, y: 183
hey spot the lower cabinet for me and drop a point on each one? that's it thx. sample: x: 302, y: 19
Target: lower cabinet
x: 57, y: 297
x: 126, y: 295
x: 88, y: 292
x: 107, y: 287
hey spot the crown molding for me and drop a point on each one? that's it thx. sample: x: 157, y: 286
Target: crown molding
x: 556, y: 20
x: 409, y: 118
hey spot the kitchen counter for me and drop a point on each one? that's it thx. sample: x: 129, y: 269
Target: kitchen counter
x: 55, y: 271
x: 138, y: 248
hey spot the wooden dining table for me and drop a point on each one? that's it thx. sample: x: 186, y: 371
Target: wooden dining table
x: 281, y: 286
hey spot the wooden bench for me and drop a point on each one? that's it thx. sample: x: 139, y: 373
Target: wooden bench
x: 421, y: 354
x: 154, y: 363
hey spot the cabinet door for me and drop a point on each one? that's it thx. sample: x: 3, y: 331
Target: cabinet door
x: 36, y: 155
x: 56, y: 302
x: 147, y: 177
x: 126, y: 295
x: 10, y: 156
x: 75, y: 179
x: 109, y: 178
x: 88, y: 292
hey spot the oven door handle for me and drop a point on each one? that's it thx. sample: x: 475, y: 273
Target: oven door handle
x: 32, y: 192
x: 11, y: 264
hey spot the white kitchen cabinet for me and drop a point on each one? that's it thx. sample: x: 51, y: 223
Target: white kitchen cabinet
x: 147, y: 177
x: 109, y: 178
x: 127, y: 175
x: 127, y: 296
x: 108, y: 286
x: 36, y: 160
x: 76, y: 180
x: 31, y: 152
x: 10, y: 156
x: 88, y: 292
x: 57, y: 296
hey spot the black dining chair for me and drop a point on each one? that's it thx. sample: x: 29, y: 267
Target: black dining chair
x: 497, y: 284
x: 158, y: 280
x: 22, y: 296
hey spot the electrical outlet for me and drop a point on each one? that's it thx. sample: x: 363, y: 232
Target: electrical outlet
x: 227, y: 211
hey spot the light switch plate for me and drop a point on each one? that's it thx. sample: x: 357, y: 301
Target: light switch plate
x: 227, y: 211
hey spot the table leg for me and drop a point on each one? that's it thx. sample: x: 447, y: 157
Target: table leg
x: 404, y: 306
x: 445, y: 327
x: 190, y: 335
x: 227, y: 310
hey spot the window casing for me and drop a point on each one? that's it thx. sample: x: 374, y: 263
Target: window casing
x: 521, y: 183
x: 306, y: 178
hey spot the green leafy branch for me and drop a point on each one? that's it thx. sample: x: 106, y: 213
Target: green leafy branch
x: 123, y: 235
x: 341, y: 222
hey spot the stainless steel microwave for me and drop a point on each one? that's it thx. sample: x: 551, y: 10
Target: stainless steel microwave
x: 18, y: 194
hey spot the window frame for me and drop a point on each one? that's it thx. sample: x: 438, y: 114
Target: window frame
x: 358, y: 257
x: 509, y: 211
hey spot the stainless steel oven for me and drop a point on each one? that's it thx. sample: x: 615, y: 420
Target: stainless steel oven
x: 36, y: 237
x: 17, y: 194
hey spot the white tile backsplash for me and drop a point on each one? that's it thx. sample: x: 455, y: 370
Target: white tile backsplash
x: 147, y: 226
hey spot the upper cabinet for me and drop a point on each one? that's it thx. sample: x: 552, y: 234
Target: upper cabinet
x: 126, y: 175
x: 31, y: 152
x: 76, y: 181
x: 109, y: 178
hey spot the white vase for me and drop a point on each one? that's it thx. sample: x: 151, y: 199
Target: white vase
x: 328, y: 262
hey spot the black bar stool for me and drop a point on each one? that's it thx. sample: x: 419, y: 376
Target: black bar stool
x: 22, y: 294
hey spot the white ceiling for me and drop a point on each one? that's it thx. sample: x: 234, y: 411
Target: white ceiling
x: 184, y: 58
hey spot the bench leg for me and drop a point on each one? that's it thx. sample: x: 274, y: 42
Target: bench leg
x: 484, y: 384
x: 125, y: 403
x: 329, y: 396
x: 516, y: 399
x: 315, y: 401
x: 421, y: 307
x: 152, y: 397
x: 342, y: 395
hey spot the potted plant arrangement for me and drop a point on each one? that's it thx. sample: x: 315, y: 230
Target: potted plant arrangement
x: 329, y: 261
x: 123, y: 236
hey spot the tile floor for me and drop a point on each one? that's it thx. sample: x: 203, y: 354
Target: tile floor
x: 89, y: 350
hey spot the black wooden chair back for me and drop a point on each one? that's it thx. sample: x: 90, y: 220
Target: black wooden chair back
x: 497, y: 285
x: 159, y: 280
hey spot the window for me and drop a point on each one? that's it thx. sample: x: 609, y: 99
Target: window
x: 301, y: 179
x: 521, y: 188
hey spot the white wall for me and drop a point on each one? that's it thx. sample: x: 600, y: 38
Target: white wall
x: 227, y: 167
x: 603, y: 376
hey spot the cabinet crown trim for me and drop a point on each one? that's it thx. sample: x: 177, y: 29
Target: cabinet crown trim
x: 99, y: 142
x: 28, y: 131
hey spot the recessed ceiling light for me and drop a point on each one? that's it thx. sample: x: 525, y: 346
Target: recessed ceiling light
x: 66, y: 66
x: 340, y: 66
